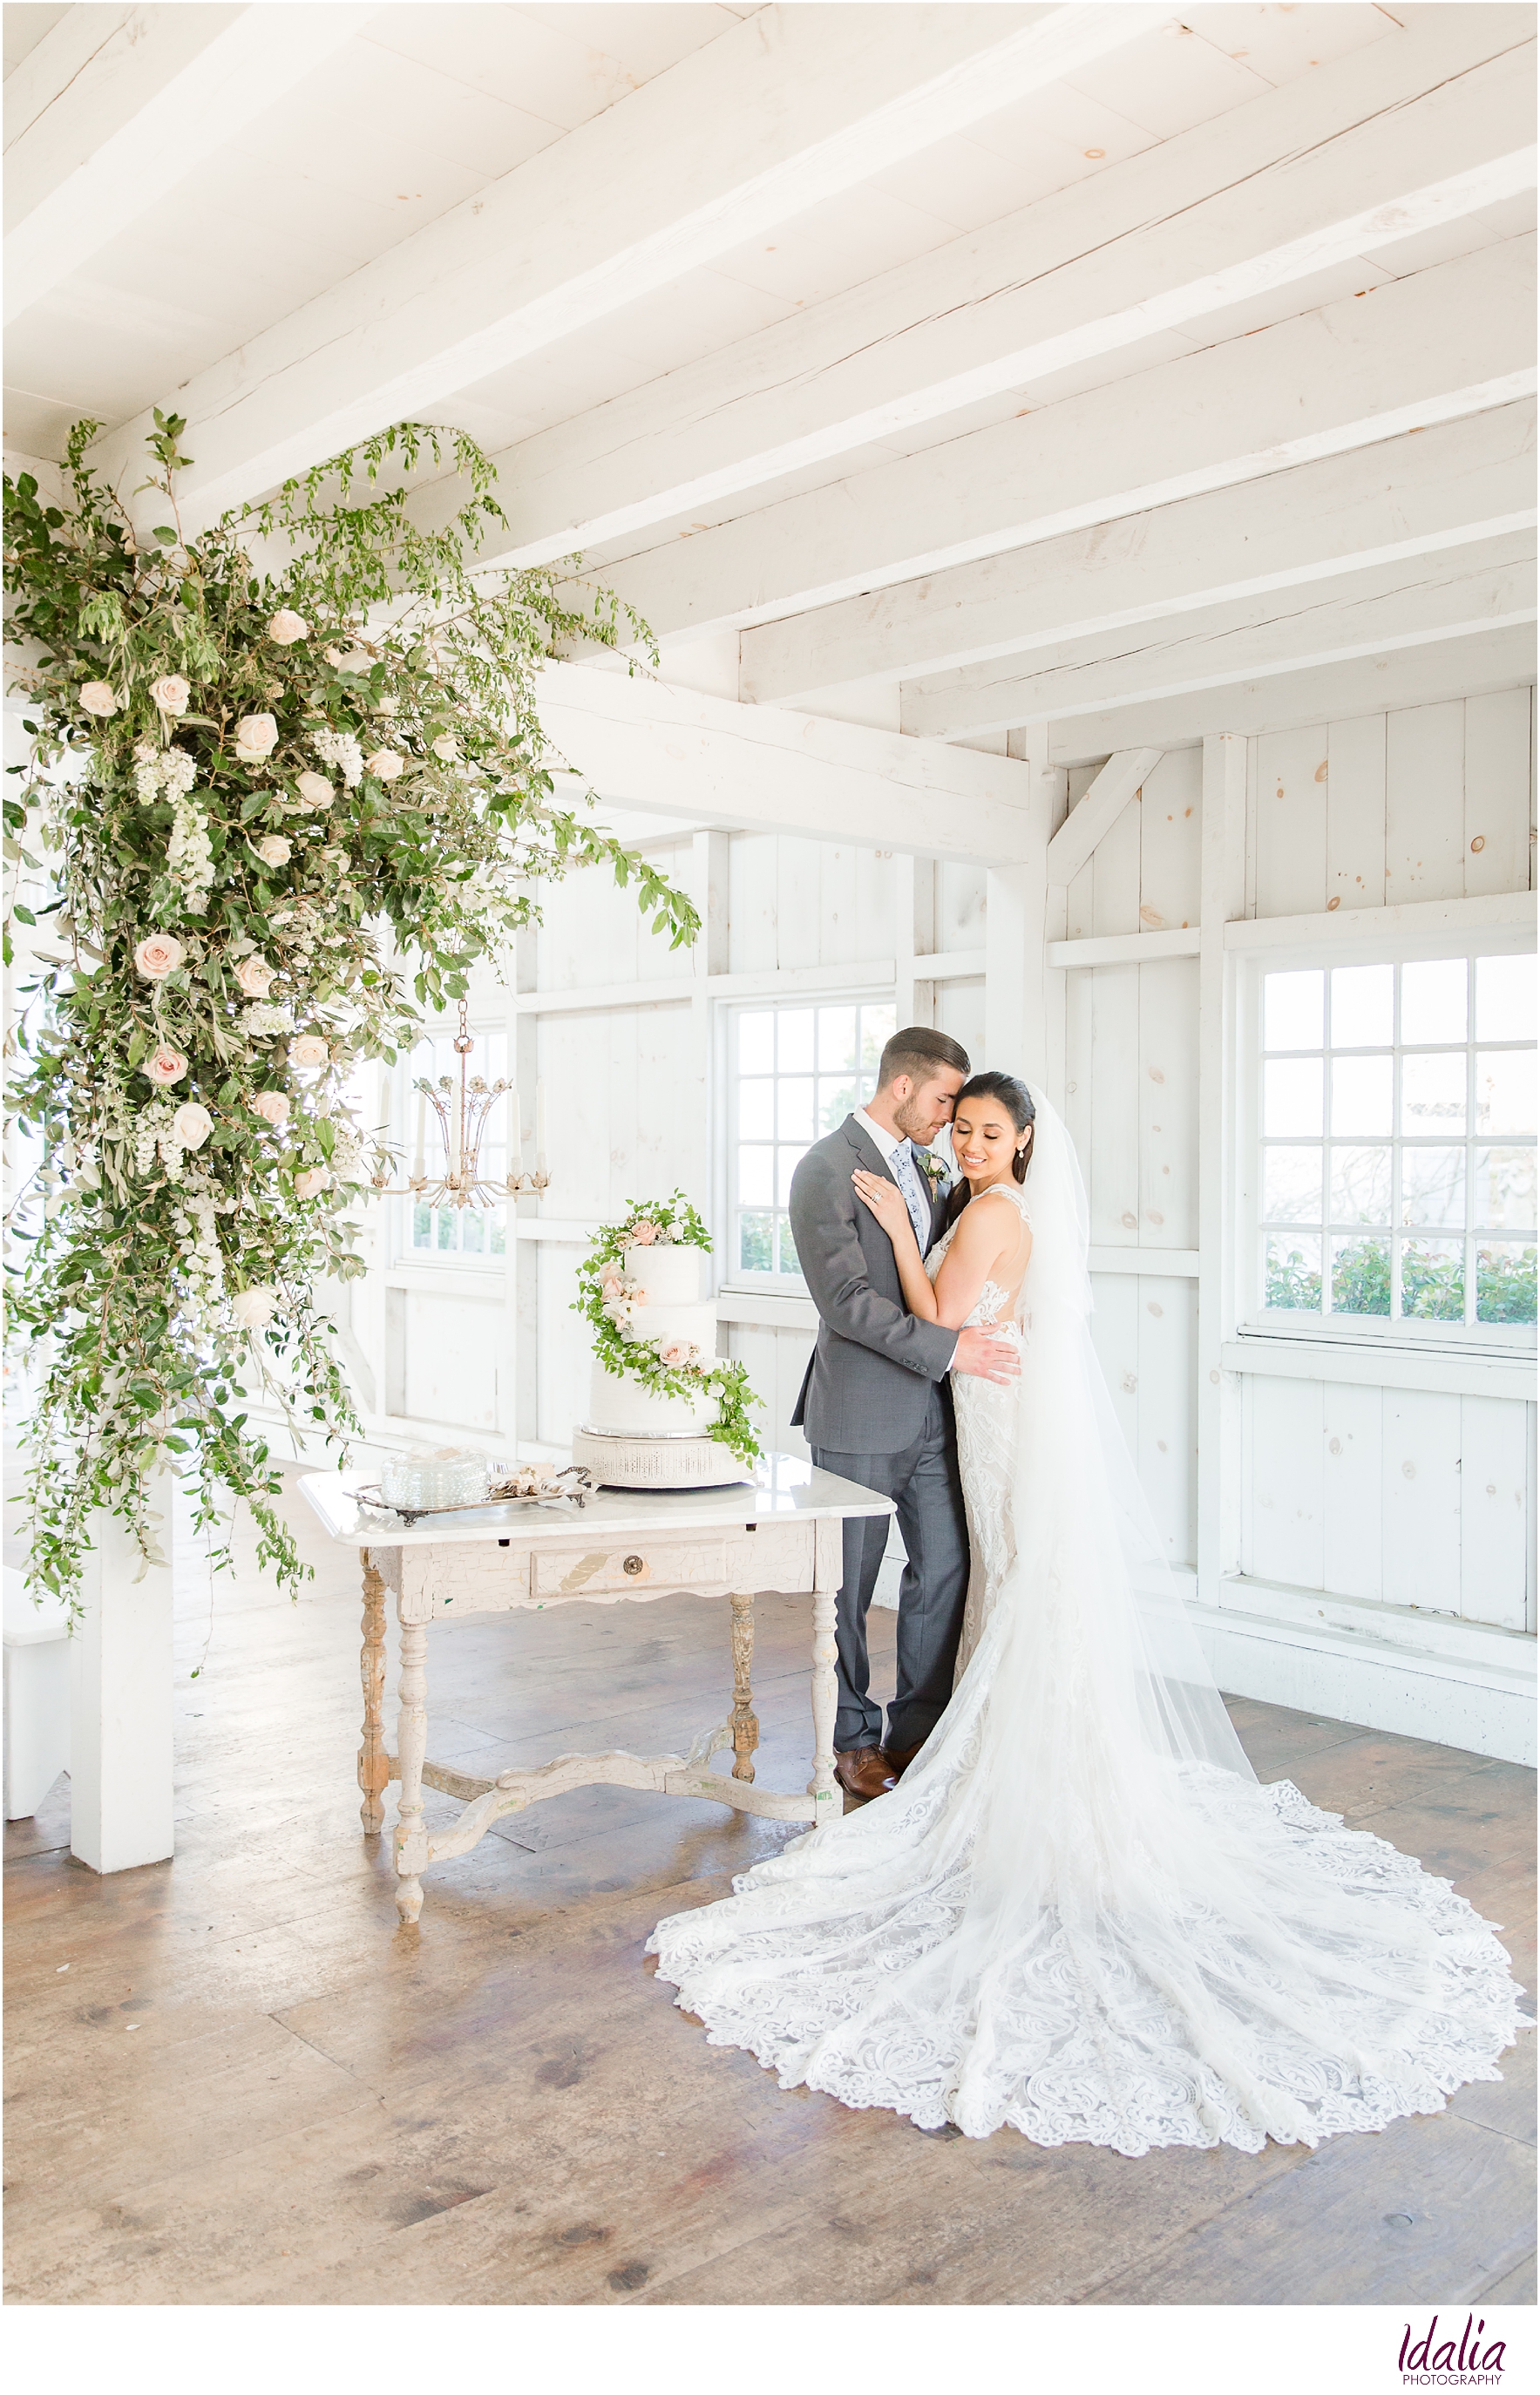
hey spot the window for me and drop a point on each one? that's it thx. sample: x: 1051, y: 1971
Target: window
x: 474, y: 1231
x: 1397, y: 1122
x: 795, y: 1072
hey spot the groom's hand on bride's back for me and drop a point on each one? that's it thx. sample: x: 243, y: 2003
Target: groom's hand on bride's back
x: 981, y: 1352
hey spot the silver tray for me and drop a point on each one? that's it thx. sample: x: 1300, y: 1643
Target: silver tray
x: 575, y: 1498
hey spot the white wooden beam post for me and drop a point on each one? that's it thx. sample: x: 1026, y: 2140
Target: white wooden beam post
x: 1087, y: 824
x: 913, y: 938
x: 1219, y: 1393
x: 1018, y: 1033
x: 121, y: 1672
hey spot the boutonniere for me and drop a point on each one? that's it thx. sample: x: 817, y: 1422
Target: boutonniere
x: 935, y: 1169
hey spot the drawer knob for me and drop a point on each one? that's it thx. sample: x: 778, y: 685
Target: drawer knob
x: 632, y: 1565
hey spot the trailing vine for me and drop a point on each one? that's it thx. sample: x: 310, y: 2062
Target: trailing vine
x: 288, y: 785
x: 608, y: 1299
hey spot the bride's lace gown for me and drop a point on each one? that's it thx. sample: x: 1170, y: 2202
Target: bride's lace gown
x: 1077, y: 1914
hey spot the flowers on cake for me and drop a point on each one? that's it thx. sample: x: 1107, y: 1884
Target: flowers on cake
x: 610, y: 1297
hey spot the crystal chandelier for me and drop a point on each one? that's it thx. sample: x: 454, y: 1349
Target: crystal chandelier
x: 463, y: 1109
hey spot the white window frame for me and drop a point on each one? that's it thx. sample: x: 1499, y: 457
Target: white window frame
x: 1375, y: 945
x: 731, y: 1277
x: 449, y: 1262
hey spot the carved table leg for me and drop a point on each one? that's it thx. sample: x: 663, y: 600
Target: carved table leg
x: 822, y: 1787
x: 374, y: 1772
x: 745, y: 1722
x: 411, y: 1839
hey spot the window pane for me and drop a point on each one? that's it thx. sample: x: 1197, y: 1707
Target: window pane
x: 836, y: 1038
x: 756, y: 1176
x: 446, y: 1227
x: 788, y: 1263
x: 1433, y: 1186
x: 1291, y: 1009
x: 473, y: 1232
x: 1505, y: 1188
x: 878, y: 1026
x: 787, y: 1161
x: 1433, y: 1002
x: 1362, y: 1006
x: 756, y: 1044
x: 837, y: 1099
x: 1505, y: 1282
x: 1433, y: 1279
x: 1361, y: 1276
x: 1291, y: 1185
x: 795, y: 1037
x: 1504, y: 997
x: 794, y: 1109
x: 1504, y: 1092
x: 1292, y: 1099
x: 1292, y: 1278
x: 757, y: 1109
x: 1360, y: 1185
x: 756, y: 1243
x: 1361, y: 1094
x: 422, y: 1227
x: 1433, y: 1093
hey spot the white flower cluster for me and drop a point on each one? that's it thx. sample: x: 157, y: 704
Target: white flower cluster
x: 198, y: 1245
x: 264, y: 1023
x: 155, y: 1131
x: 173, y: 770
x: 347, y: 1162
x: 339, y: 748
x: 187, y: 852
x: 622, y: 1296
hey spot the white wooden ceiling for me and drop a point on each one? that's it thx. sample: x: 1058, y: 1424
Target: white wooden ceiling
x: 951, y: 368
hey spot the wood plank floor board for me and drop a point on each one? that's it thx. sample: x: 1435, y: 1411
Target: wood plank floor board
x: 504, y: 2106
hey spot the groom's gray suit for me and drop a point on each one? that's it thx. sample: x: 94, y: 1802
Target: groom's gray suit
x: 878, y: 1411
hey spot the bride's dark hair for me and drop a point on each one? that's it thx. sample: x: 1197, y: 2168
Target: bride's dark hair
x: 1017, y: 1099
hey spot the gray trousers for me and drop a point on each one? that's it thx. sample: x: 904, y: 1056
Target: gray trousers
x: 925, y: 1485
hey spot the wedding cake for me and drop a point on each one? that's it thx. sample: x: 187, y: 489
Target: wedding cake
x: 665, y: 1411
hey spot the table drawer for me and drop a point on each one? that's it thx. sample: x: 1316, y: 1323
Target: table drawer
x: 604, y: 1572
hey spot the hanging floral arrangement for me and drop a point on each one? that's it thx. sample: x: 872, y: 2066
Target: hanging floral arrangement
x: 289, y: 783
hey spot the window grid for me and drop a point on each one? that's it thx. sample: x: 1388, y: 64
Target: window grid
x: 471, y: 1233
x: 1444, y: 1226
x: 795, y: 1072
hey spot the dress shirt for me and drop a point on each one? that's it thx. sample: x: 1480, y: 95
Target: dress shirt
x: 898, y: 1156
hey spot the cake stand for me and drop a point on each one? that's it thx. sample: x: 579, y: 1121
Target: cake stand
x: 657, y: 1459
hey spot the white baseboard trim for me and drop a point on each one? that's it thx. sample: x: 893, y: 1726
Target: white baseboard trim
x: 1384, y: 1667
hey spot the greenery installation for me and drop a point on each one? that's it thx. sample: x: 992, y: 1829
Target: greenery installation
x: 254, y: 782
x: 614, y: 1305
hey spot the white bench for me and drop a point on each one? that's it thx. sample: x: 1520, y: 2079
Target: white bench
x: 37, y: 1696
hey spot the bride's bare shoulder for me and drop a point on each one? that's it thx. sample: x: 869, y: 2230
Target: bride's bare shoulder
x: 986, y: 1232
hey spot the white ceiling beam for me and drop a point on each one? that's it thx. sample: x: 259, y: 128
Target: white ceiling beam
x: 118, y: 106
x: 1426, y: 491
x: 645, y: 743
x: 787, y: 109
x: 1086, y: 825
x: 1429, y: 348
x: 1420, y: 677
x: 1416, y: 132
x: 1489, y: 585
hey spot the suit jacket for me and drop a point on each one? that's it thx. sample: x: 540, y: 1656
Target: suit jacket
x: 868, y: 1381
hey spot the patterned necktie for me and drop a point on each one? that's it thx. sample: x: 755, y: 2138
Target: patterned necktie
x: 907, y: 1178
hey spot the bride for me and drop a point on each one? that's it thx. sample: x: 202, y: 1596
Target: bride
x: 1077, y: 1913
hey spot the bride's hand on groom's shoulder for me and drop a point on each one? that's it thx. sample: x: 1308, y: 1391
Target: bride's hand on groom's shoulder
x: 885, y: 1200
x: 979, y: 1350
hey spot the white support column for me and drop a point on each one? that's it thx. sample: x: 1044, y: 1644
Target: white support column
x: 1219, y: 1394
x: 1022, y: 1007
x: 913, y: 938
x: 121, y: 1664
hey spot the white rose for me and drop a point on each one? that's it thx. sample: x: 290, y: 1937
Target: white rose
x: 254, y: 1308
x: 309, y: 1050
x: 256, y: 737
x: 158, y: 955
x: 386, y: 764
x: 387, y: 704
x: 311, y: 1183
x: 171, y: 694
x: 98, y: 698
x: 255, y: 976
x: 273, y: 1107
x: 447, y: 747
x: 191, y: 1125
x: 286, y: 627
x: 314, y: 790
x: 274, y: 850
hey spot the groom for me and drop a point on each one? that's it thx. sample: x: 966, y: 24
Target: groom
x: 876, y: 1405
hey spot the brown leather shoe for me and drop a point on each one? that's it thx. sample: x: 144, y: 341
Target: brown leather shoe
x: 899, y: 1758
x: 863, y: 1772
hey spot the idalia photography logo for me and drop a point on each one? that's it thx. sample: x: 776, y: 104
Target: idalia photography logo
x: 1466, y: 2360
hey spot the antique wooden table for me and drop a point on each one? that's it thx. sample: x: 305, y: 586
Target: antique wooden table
x: 781, y: 1532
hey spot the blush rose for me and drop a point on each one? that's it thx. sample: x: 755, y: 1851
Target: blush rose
x: 167, y: 1065
x: 159, y: 955
x: 286, y: 628
x: 273, y: 1107
x: 171, y: 694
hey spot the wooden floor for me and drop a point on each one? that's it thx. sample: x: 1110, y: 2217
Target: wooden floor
x: 231, y: 2081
